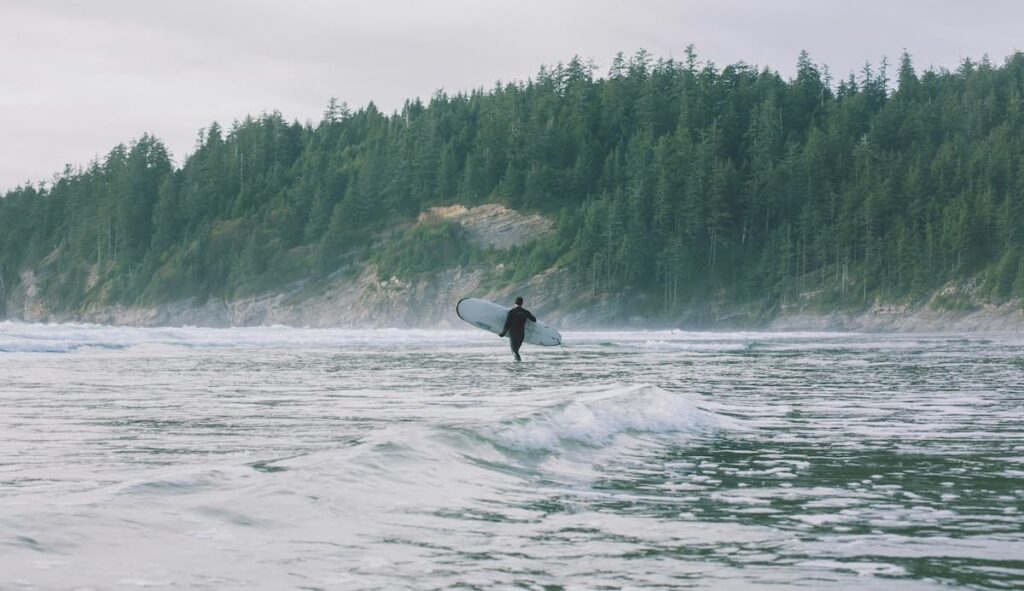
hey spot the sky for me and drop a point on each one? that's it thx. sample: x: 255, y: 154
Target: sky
x: 79, y: 77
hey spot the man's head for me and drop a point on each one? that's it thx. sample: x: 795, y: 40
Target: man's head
x: 519, y: 301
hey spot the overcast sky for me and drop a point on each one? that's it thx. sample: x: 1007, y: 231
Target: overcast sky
x: 78, y: 77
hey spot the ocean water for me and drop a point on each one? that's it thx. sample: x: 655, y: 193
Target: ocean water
x: 281, y: 458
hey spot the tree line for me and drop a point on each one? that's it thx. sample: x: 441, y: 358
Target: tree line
x: 675, y: 182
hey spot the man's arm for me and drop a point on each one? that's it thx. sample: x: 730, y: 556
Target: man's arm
x: 532, y: 317
x: 508, y: 319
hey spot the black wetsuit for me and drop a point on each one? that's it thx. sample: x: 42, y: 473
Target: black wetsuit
x: 515, y: 326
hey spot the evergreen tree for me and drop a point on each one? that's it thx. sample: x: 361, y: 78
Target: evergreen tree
x: 695, y: 185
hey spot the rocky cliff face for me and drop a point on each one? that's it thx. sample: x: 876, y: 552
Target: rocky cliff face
x: 363, y: 301
x: 925, y: 316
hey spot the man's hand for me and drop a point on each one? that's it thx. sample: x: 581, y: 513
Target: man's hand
x: 501, y: 334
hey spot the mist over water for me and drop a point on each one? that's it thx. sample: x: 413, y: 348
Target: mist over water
x: 331, y: 459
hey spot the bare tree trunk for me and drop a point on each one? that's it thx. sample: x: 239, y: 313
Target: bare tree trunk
x: 665, y: 291
x: 675, y: 292
x: 714, y: 243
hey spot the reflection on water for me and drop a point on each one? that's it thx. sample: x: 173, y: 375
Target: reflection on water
x: 286, y: 458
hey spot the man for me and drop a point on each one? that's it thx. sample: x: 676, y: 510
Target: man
x: 515, y: 326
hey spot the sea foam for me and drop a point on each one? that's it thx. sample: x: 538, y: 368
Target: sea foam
x: 16, y: 337
x: 596, y: 422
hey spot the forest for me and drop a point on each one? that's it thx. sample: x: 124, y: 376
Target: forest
x: 677, y: 182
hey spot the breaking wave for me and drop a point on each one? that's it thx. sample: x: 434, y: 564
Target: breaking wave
x: 18, y: 337
x: 631, y: 410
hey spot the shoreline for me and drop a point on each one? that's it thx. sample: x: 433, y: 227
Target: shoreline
x: 361, y: 299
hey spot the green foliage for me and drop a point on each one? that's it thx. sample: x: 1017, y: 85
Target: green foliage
x: 1000, y: 281
x: 672, y: 180
x: 425, y: 248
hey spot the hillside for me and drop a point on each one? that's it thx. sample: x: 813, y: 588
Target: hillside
x: 360, y: 294
x: 665, y: 192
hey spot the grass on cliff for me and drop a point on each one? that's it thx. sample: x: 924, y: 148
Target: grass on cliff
x: 432, y: 246
x: 423, y: 249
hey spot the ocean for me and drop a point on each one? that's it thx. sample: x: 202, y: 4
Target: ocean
x: 285, y: 458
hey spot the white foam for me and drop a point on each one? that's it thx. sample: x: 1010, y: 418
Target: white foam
x: 635, y: 409
x: 18, y: 337
x: 660, y: 346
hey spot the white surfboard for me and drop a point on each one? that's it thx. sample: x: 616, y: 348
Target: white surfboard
x: 491, y: 317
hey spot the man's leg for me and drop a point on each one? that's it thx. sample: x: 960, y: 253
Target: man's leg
x: 516, y: 341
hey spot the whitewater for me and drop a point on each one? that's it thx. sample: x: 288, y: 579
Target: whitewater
x: 286, y: 458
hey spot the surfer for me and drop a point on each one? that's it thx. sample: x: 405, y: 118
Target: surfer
x: 515, y: 326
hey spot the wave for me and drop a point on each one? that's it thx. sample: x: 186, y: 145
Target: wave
x: 412, y: 474
x: 591, y: 420
x: 595, y: 423
x: 559, y: 443
x: 678, y: 341
x: 701, y: 336
x: 696, y: 347
x: 18, y: 337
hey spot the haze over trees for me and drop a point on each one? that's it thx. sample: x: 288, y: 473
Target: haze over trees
x: 675, y: 182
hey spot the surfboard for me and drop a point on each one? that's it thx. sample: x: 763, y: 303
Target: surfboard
x: 491, y: 317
